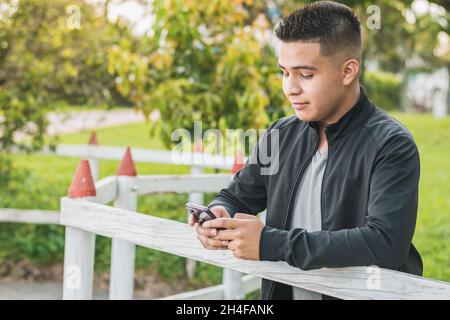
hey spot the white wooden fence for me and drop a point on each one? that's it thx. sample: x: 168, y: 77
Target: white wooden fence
x: 197, y: 160
x: 85, y: 218
x: 124, y: 190
x: 97, y: 152
x: 29, y: 216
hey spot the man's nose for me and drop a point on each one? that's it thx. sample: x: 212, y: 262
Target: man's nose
x: 292, y: 87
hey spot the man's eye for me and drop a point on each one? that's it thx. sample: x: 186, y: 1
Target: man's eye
x: 285, y: 75
x: 307, y: 76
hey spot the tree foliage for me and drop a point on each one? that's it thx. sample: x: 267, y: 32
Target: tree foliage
x: 44, y: 60
x: 204, y: 64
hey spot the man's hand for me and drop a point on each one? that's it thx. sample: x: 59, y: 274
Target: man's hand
x: 205, y: 234
x: 242, y: 234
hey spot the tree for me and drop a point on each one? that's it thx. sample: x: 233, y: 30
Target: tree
x: 49, y: 53
x: 45, y: 56
x: 202, y: 63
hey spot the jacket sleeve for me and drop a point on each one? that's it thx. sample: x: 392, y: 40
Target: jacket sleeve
x: 247, y: 193
x: 385, y: 238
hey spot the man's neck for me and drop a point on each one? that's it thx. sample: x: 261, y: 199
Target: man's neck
x: 348, y: 102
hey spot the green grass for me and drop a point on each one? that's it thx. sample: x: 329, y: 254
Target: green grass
x: 42, y: 245
x: 432, y: 235
x: 134, y: 135
x: 45, y: 179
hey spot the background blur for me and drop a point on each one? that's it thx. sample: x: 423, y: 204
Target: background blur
x: 135, y: 70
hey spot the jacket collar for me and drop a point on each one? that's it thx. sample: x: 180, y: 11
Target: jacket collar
x: 351, y: 119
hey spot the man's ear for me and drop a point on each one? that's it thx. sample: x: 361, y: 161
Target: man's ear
x: 350, y: 71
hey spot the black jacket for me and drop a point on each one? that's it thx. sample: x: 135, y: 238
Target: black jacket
x: 368, y: 200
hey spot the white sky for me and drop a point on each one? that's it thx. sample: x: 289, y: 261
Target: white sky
x: 134, y: 12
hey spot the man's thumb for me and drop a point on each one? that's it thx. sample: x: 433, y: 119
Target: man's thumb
x: 219, y: 211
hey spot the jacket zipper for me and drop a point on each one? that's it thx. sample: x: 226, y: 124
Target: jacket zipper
x: 297, y: 178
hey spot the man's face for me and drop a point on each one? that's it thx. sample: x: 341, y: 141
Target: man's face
x: 311, y: 82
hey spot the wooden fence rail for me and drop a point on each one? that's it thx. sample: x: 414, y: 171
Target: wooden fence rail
x: 143, y: 155
x: 179, y: 239
x: 86, y: 217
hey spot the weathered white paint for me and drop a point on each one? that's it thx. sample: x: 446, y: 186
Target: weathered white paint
x: 141, y: 155
x: 93, y: 161
x: 121, y: 282
x: 183, y: 183
x: 106, y: 190
x: 180, y: 239
x: 29, y: 216
x: 249, y: 284
x: 232, y: 283
x: 235, y: 285
x: 79, y: 250
x: 197, y: 198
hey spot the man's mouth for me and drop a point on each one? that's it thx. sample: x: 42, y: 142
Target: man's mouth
x: 300, y: 105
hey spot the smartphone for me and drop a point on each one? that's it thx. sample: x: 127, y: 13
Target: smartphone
x: 200, y: 213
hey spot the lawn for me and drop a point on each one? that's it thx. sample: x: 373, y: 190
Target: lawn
x: 432, y: 236
x: 44, y: 179
x: 47, y: 178
x: 134, y: 135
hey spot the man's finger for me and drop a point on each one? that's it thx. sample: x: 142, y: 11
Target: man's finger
x: 231, y: 234
x: 211, y: 232
x: 191, y: 220
x: 232, y: 245
x: 244, y: 216
x: 212, y: 244
x: 227, y: 223
x: 215, y: 248
x: 220, y: 212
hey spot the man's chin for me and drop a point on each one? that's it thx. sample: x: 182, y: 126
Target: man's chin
x: 304, y: 116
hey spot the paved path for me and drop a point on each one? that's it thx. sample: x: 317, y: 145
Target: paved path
x: 37, y: 291
x: 49, y: 290
x: 76, y: 121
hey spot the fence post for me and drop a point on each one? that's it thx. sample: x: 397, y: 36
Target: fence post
x: 232, y: 280
x: 79, y: 245
x: 121, y: 282
x: 195, y: 197
x: 93, y: 142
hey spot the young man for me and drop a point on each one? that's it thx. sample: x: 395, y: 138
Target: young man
x: 346, y: 190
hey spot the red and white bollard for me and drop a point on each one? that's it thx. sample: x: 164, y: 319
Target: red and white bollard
x: 79, y: 244
x: 238, y: 162
x: 93, y: 161
x: 121, y: 283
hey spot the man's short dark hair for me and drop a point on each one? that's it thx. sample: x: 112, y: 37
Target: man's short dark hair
x: 334, y: 25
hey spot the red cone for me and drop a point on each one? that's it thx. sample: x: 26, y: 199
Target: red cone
x: 82, y: 183
x: 198, y: 146
x: 238, y: 162
x: 127, y: 167
x: 93, y: 139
